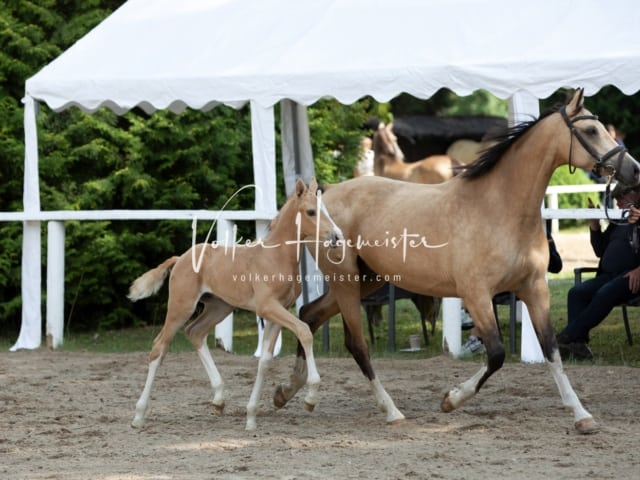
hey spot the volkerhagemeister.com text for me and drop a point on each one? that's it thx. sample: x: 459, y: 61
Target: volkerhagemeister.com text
x: 316, y: 277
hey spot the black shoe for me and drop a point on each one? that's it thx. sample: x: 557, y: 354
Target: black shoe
x: 575, y: 351
x: 562, y: 339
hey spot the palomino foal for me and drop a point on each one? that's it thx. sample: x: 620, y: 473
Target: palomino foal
x: 261, y: 277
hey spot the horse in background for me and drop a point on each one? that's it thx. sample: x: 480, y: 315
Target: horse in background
x: 466, y: 151
x: 389, y: 161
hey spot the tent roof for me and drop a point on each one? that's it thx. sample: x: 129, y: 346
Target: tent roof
x: 160, y: 54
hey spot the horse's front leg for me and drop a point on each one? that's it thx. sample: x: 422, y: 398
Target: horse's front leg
x: 269, y: 337
x: 485, y: 322
x: 540, y: 318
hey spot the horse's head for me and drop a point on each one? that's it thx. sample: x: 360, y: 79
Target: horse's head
x: 595, y: 149
x: 385, y: 148
x: 314, y: 219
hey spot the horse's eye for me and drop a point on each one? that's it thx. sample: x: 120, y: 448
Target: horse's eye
x: 311, y: 213
x: 591, y: 131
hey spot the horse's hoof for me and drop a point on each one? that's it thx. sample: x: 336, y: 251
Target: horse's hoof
x: 587, y: 426
x: 137, y: 423
x: 309, y: 407
x: 397, y: 421
x: 279, y: 400
x: 446, y: 406
x: 218, y: 410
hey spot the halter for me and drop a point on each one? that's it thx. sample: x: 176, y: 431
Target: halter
x: 600, y: 159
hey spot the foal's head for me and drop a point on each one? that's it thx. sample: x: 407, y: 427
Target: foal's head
x: 306, y: 211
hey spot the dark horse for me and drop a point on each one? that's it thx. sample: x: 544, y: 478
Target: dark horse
x: 462, y: 239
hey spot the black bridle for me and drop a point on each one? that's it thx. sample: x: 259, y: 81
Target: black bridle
x: 601, y: 160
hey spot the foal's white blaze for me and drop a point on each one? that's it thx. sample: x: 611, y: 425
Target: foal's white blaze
x: 323, y: 209
x: 143, y: 402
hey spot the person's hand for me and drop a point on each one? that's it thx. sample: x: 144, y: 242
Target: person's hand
x: 634, y: 214
x: 594, y: 223
x: 634, y: 280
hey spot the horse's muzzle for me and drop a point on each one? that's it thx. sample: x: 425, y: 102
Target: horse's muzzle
x: 335, y: 238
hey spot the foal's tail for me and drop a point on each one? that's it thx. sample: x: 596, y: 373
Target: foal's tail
x: 149, y: 283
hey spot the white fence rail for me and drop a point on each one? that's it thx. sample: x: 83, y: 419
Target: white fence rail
x: 224, y: 222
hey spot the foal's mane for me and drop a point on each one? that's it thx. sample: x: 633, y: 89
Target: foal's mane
x: 504, y: 140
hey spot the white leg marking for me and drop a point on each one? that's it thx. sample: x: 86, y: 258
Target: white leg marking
x: 143, y: 402
x: 252, y: 406
x: 463, y: 392
x: 214, y: 376
x: 385, y: 403
x: 313, y: 382
x: 569, y: 397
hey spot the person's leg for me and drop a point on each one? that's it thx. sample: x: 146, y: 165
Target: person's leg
x: 603, y: 300
x: 581, y: 295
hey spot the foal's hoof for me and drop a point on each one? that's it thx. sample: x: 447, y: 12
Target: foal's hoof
x: 587, y: 426
x: 218, y: 410
x: 446, y: 406
x: 279, y: 400
x: 309, y: 407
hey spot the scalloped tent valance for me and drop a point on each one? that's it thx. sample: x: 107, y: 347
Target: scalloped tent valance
x: 160, y: 54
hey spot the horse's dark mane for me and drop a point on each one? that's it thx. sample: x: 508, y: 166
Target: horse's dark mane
x: 505, y: 139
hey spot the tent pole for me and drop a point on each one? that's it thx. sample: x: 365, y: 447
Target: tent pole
x: 30, y: 335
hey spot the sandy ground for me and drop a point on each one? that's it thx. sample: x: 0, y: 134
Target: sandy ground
x: 66, y: 415
x: 575, y: 250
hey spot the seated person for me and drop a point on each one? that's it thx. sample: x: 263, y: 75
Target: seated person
x: 617, y: 279
x: 474, y: 344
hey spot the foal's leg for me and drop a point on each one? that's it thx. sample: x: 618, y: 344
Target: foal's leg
x: 584, y: 422
x: 215, y: 310
x: 178, y: 312
x: 280, y: 315
x: 269, y: 337
x: 484, y: 320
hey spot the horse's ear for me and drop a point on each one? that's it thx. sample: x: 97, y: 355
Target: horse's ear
x: 300, y: 187
x: 576, y: 103
x: 313, y: 185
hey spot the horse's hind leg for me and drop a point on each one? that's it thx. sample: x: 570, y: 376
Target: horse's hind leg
x: 215, y: 310
x: 177, y: 315
x: 357, y: 346
x: 269, y: 337
x: 313, y: 314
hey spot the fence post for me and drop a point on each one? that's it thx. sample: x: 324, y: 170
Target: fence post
x: 451, y: 325
x: 553, y: 204
x: 55, y: 283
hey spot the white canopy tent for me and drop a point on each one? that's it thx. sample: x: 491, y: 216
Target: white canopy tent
x: 163, y: 54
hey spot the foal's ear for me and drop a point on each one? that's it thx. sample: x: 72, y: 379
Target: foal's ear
x: 313, y: 185
x: 300, y: 187
x: 576, y: 102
